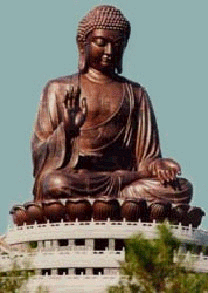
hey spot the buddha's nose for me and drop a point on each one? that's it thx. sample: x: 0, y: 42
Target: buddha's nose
x: 108, y: 49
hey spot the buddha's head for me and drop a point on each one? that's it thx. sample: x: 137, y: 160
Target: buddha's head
x: 102, y: 37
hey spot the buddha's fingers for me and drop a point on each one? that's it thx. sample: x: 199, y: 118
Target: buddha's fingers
x: 173, y: 175
x: 174, y: 165
x: 154, y: 172
x: 168, y: 175
x: 79, y: 119
x: 66, y: 99
x: 152, y: 168
x: 179, y: 170
x: 71, y: 97
x: 77, y: 93
x: 84, y: 106
x: 161, y: 176
x: 176, y: 170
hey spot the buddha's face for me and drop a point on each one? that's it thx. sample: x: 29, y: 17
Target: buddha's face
x: 105, y: 49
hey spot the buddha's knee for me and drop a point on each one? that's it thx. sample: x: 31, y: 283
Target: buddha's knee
x: 179, y: 191
x: 55, y: 185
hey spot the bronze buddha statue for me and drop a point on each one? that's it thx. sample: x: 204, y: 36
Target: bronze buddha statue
x: 95, y: 133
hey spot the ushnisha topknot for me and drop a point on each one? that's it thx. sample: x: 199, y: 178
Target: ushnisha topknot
x: 103, y: 17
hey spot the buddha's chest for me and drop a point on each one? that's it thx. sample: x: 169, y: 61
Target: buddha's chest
x: 102, y: 102
x: 108, y: 112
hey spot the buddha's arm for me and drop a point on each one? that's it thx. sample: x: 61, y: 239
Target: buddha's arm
x: 147, y: 146
x: 48, y: 142
x: 148, y: 152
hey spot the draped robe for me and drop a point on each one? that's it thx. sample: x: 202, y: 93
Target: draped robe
x: 92, y: 165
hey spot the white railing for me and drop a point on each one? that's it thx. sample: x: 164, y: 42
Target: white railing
x: 69, y: 283
x: 57, y: 253
x: 96, y: 229
x: 88, y: 259
x: 72, y: 283
x: 192, y: 261
x: 43, y: 259
x: 24, y: 227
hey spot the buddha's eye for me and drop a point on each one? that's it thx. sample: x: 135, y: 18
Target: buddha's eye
x: 100, y: 42
x: 118, y: 43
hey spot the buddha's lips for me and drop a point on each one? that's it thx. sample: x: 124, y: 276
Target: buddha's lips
x: 106, y: 59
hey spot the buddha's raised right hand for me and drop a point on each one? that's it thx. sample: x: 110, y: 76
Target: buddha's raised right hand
x: 74, y: 113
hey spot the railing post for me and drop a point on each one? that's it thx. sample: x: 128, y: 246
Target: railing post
x: 190, y: 229
x: 179, y: 227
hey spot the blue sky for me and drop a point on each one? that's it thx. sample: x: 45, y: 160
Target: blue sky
x: 167, y: 54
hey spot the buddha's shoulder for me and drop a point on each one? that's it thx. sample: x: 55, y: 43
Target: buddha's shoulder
x: 72, y: 80
x: 63, y: 80
x: 138, y: 89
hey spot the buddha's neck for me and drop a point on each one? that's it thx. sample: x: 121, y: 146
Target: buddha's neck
x: 100, y: 77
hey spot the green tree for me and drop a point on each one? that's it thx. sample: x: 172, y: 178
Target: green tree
x: 16, y: 279
x: 42, y: 289
x: 12, y: 280
x: 150, y: 267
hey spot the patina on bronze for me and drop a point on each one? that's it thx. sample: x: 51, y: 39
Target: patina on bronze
x: 95, y: 133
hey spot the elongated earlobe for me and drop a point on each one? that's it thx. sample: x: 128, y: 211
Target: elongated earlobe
x: 81, y: 62
x: 119, y: 61
x: 119, y: 66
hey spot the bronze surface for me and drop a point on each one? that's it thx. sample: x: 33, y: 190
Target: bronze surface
x: 96, y: 135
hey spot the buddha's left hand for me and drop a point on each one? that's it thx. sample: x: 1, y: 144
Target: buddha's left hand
x: 165, y: 170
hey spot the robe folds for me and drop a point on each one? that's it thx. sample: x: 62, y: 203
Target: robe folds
x: 104, y: 164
